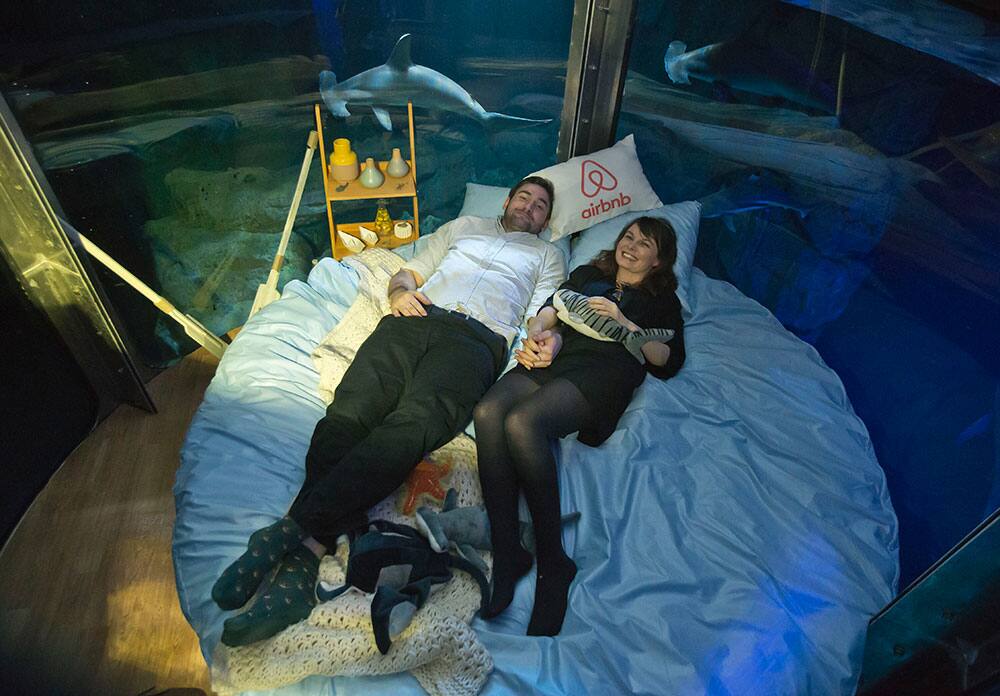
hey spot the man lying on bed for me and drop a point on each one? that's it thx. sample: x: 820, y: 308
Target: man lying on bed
x: 456, y: 309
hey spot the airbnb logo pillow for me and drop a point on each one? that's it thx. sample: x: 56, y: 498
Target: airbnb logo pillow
x: 597, y: 187
x: 594, y: 178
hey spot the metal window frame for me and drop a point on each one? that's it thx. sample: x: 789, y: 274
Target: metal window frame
x: 44, y: 257
x: 599, y: 47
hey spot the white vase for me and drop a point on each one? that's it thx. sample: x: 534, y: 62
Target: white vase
x: 372, y: 176
x: 397, y: 166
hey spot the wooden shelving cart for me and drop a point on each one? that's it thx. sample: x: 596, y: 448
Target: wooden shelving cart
x: 402, y: 187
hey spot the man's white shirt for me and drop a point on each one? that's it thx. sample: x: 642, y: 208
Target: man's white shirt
x: 473, y: 265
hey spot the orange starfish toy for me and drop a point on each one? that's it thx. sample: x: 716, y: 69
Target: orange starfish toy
x: 425, y: 478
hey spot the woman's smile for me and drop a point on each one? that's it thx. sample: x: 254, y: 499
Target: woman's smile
x: 636, y: 253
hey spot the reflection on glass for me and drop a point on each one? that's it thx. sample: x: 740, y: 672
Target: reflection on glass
x: 172, y: 136
x: 849, y: 177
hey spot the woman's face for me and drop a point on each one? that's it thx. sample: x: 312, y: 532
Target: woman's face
x: 636, y: 253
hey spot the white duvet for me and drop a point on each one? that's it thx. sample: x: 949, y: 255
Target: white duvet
x: 735, y: 535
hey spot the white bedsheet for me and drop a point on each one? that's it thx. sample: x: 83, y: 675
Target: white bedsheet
x: 736, y: 531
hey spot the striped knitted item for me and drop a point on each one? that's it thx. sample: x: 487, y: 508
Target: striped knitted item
x: 573, y: 309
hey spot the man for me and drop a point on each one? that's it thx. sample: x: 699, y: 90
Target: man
x: 456, y: 309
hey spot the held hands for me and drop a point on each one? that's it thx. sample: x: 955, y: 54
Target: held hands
x: 606, y: 308
x: 539, y: 349
x: 408, y: 303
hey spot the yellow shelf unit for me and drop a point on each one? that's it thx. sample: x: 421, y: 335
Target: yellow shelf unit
x: 392, y: 187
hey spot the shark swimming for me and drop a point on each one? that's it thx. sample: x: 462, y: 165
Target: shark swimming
x: 398, y: 81
x: 749, y: 68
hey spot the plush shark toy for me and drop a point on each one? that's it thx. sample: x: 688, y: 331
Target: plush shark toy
x: 467, y: 528
x: 575, y: 311
x: 400, y: 80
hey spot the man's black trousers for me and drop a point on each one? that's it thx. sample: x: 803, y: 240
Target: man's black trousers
x: 410, y: 389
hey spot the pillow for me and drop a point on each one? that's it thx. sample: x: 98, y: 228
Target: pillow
x: 683, y: 216
x: 597, y: 187
x: 487, y: 201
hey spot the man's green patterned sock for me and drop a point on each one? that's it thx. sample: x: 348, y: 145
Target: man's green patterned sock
x: 289, y: 599
x: 265, y: 549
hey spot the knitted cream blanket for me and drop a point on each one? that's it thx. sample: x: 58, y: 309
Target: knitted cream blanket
x: 439, y: 647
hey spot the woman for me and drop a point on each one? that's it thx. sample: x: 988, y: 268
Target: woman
x: 585, y: 389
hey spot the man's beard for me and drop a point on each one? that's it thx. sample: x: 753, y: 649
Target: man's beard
x: 521, y: 223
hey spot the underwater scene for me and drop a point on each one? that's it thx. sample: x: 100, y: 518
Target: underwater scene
x: 173, y: 136
x: 847, y: 157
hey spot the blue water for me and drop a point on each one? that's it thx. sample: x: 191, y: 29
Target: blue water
x: 895, y: 283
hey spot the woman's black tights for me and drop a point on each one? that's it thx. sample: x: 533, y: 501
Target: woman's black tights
x: 516, y: 422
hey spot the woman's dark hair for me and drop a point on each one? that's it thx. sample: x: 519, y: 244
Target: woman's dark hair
x: 662, y: 233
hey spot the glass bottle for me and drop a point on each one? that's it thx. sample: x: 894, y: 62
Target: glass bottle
x: 383, y: 223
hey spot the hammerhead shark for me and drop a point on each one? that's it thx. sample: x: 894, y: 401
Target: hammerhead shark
x: 398, y: 81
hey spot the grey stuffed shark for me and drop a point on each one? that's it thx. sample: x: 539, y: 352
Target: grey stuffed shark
x: 467, y: 528
x: 574, y: 310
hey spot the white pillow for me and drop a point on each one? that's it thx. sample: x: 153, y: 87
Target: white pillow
x: 597, y: 187
x: 684, y: 217
x: 487, y: 201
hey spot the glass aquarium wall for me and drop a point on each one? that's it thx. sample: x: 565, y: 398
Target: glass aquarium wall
x: 847, y: 156
x: 173, y: 134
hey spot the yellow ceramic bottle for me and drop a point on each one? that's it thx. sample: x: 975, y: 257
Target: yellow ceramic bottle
x: 343, y: 162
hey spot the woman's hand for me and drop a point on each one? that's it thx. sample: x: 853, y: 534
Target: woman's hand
x: 539, y: 349
x: 606, y: 308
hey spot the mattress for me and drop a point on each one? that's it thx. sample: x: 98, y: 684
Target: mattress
x: 735, y: 532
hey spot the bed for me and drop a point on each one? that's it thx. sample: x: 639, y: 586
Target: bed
x: 735, y: 532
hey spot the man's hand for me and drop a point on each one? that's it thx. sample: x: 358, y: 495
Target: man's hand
x: 408, y: 303
x: 539, y: 349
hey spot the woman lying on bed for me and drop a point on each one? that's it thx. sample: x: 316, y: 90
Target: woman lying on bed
x: 585, y: 388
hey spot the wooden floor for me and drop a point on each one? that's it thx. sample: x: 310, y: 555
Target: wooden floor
x: 87, y: 597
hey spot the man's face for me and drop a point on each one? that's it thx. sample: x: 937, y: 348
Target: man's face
x: 527, y: 210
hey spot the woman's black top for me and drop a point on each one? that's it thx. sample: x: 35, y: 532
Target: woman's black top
x: 604, y: 371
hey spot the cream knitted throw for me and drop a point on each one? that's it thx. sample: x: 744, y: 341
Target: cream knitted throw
x: 336, y: 351
x: 439, y: 647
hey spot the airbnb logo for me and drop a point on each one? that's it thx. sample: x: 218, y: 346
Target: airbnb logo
x: 595, y: 178
x: 605, y: 205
